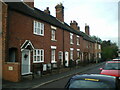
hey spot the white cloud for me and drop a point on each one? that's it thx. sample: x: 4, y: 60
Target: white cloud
x: 100, y: 15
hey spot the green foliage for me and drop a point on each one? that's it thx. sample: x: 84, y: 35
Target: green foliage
x: 109, y: 50
x: 96, y: 38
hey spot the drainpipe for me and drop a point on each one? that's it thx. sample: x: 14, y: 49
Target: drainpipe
x: 63, y: 51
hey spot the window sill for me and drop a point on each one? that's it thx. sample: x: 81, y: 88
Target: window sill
x: 53, y: 61
x: 71, y: 43
x: 38, y: 61
x: 54, y: 40
x: 38, y: 35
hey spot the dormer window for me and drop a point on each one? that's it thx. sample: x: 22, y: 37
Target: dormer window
x: 38, y: 28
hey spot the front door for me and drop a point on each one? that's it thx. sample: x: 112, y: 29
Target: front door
x: 25, y: 62
x: 66, y: 59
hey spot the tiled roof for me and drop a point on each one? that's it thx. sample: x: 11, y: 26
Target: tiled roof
x: 40, y: 15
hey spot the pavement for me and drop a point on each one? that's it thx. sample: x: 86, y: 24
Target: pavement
x: 29, y: 83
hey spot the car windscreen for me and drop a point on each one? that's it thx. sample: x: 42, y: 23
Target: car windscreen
x: 112, y: 66
x: 90, y: 84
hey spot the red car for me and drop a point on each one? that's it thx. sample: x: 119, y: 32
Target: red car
x: 111, y: 68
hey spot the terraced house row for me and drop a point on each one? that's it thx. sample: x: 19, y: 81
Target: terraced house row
x: 32, y: 37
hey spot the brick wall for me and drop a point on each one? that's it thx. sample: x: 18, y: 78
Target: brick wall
x: 4, y: 31
x: 11, y: 72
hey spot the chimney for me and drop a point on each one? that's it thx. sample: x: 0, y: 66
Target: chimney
x: 74, y: 25
x: 87, y: 29
x: 60, y: 12
x: 47, y: 10
x: 30, y: 3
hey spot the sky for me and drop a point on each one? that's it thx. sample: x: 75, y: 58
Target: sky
x: 100, y: 15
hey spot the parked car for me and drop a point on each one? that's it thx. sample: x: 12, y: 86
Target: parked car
x: 94, y: 81
x: 111, y: 68
x: 116, y: 59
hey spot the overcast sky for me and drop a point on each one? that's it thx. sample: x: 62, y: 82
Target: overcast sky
x: 100, y: 15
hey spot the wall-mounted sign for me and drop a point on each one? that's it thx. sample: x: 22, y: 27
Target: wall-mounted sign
x: 10, y: 68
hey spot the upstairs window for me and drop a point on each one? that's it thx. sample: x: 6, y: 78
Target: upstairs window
x: 38, y: 28
x: 99, y: 46
x: 53, y: 35
x: 78, y: 40
x: 71, y: 38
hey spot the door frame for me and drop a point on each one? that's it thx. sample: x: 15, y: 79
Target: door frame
x: 67, y: 63
x: 29, y: 63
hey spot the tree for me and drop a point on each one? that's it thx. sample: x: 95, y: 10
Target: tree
x: 96, y: 38
x: 109, y: 50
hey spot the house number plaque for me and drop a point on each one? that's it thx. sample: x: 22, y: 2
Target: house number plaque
x: 10, y: 68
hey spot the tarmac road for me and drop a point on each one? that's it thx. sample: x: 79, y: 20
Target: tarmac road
x: 62, y: 82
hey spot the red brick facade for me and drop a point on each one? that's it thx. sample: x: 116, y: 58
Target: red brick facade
x: 20, y: 27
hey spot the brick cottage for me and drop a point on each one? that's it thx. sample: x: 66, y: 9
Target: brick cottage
x: 32, y: 38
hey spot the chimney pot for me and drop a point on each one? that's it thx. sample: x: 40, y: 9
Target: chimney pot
x: 74, y: 25
x: 47, y: 10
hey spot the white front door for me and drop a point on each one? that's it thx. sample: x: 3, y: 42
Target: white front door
x: 25, y: 62
x: 66, y: 59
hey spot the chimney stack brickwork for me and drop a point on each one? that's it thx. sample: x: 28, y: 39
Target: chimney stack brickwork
x: 30, y: 3
x: 74, y: 25
x: 60, y: 12
x: 87, y: 29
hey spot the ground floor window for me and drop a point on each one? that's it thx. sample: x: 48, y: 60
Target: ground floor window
x: 38, y: 55
x: 71, y: 54
x: 60, y: 55
x: 78, y: 54
x: 99, y: 55
x: 53, y: 55
x: 12, y: 55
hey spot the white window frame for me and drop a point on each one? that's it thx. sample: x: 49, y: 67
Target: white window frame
x: 71, y: 38
x: 36, y: 55
x: 38, y: 28
x: 95, y: 45
x: 53, y: 34
x: 99, y: 55
x: 99, y: 46
x: 53, y: 55
x: 78, y: 40
x: 78, y: 53
x: 60, y: 55
x: 71, y: 53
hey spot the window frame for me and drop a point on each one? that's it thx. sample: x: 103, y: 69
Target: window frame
x: 53, y: 55
x: 78, y: 40
x: 71, y: 38
x: 41, y: 56
x: 38, y: 28
x: 60, y: 55
x: 71, y: 53
x: 53, y: 34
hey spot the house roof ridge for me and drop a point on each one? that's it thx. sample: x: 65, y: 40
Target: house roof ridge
x: 34, y: 12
